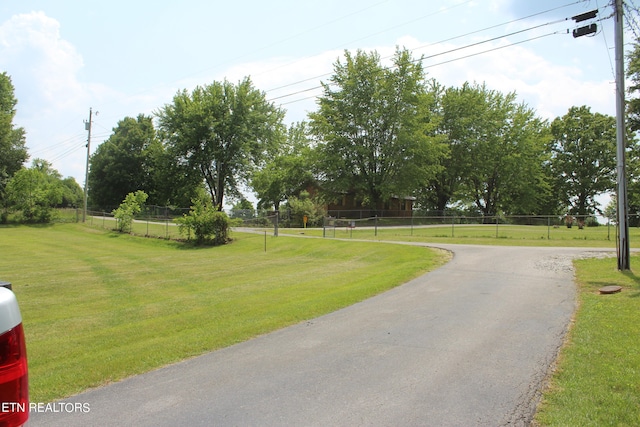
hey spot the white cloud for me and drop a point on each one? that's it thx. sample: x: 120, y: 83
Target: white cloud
x: 52, y: 99
x: 54, y: 94
x: 35, y: 55
x: 550, y: 88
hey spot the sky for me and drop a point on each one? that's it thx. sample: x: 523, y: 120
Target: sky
x: 124, y: 58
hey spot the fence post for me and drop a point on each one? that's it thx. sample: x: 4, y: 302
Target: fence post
x: 275, y: 225
x: 376, y: 226
x: 324, y: 227
x: 412, y: 223
x: 453, y: 221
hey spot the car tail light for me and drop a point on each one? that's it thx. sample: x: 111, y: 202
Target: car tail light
x: 14, y: 382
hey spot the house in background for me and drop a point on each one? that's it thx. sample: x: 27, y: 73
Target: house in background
x: 349, y: 206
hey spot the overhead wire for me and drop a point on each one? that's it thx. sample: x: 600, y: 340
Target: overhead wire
x: 448, y: 51
x: 65, y: 153
x: 246, y: 54
x: 632, y: 11
x: 443, y: 62
x: 354, y: 41
x: 445, y: 40
x: 606, y: 44
x: 306, y: 90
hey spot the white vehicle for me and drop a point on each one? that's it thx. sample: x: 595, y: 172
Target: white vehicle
x: 14, y: 382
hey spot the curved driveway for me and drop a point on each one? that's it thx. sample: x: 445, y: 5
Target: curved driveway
x: 467, y: 344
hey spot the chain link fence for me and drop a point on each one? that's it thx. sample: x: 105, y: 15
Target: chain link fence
x: 159, y: 221
x: 498, y: 226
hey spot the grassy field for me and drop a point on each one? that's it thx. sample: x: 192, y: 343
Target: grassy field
x: 516, y: 235
x: 597, y: 382
x: 100, y: 306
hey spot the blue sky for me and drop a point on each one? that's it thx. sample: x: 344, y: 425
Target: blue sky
x: 123, y: 58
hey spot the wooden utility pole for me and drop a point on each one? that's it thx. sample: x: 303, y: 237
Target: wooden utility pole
x: 623, y: 225
x: 87, y: 126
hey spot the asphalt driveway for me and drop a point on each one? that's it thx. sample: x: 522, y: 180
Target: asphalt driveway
x: 468, y: 344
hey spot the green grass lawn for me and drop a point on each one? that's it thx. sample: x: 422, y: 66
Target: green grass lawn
x: 98, y: 306
x: 516, y: 235
x: 597, y: 382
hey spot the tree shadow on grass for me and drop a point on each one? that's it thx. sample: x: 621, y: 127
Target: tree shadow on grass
x: 38, y: 225
x: 636, y: 282
x: 193, y: 245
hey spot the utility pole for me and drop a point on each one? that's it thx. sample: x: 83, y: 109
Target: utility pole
x: 623, y: 225
x: 87, y: 126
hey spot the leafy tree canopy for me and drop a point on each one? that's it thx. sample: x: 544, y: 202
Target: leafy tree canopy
x: 13, y: 152
x: 373, y: 128
x: 633, y: 72
x: 583, y: 157
x: 222, y: 132
x: 34, y: 192
x: 288, y: 172
x: 121, y: 164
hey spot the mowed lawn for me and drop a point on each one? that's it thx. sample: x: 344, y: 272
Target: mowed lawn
x: 98, y: 306
x: 602, y: 236
x: 597, y: 381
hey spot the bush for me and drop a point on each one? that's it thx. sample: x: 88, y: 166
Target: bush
x: 207, y: 224
x: 131, y: 205
x: 306, y: 206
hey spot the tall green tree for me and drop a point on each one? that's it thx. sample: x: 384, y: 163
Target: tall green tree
x: 633, y: 73
x: 523, y: 186
x: 120, y: 165
x: 171, y: 183
x: 221, y: 132
x: 495, y: 153
x: 72, y: 193
x: 373, y: 129
x: 633, y: 114
x: 288, y: 172
x: 458, y: 109
x: 583, y: 158
x: 13, y: 152
x: 34, y: 192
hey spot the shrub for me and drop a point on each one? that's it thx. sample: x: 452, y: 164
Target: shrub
x: 207, y: 224
x: 131, y: 205
x: 306, y: 206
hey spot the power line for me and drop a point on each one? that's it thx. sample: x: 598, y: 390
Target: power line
x: 440, y: 63
x: 58, y: 144
x: 449, y: 51
x: 246, y: 54
x: 496, y: 48
x: 357, y: 40
x: 631, y: 12
x: 451, y: 39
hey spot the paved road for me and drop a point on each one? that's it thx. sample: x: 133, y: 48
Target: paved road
x: 468, y: 344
